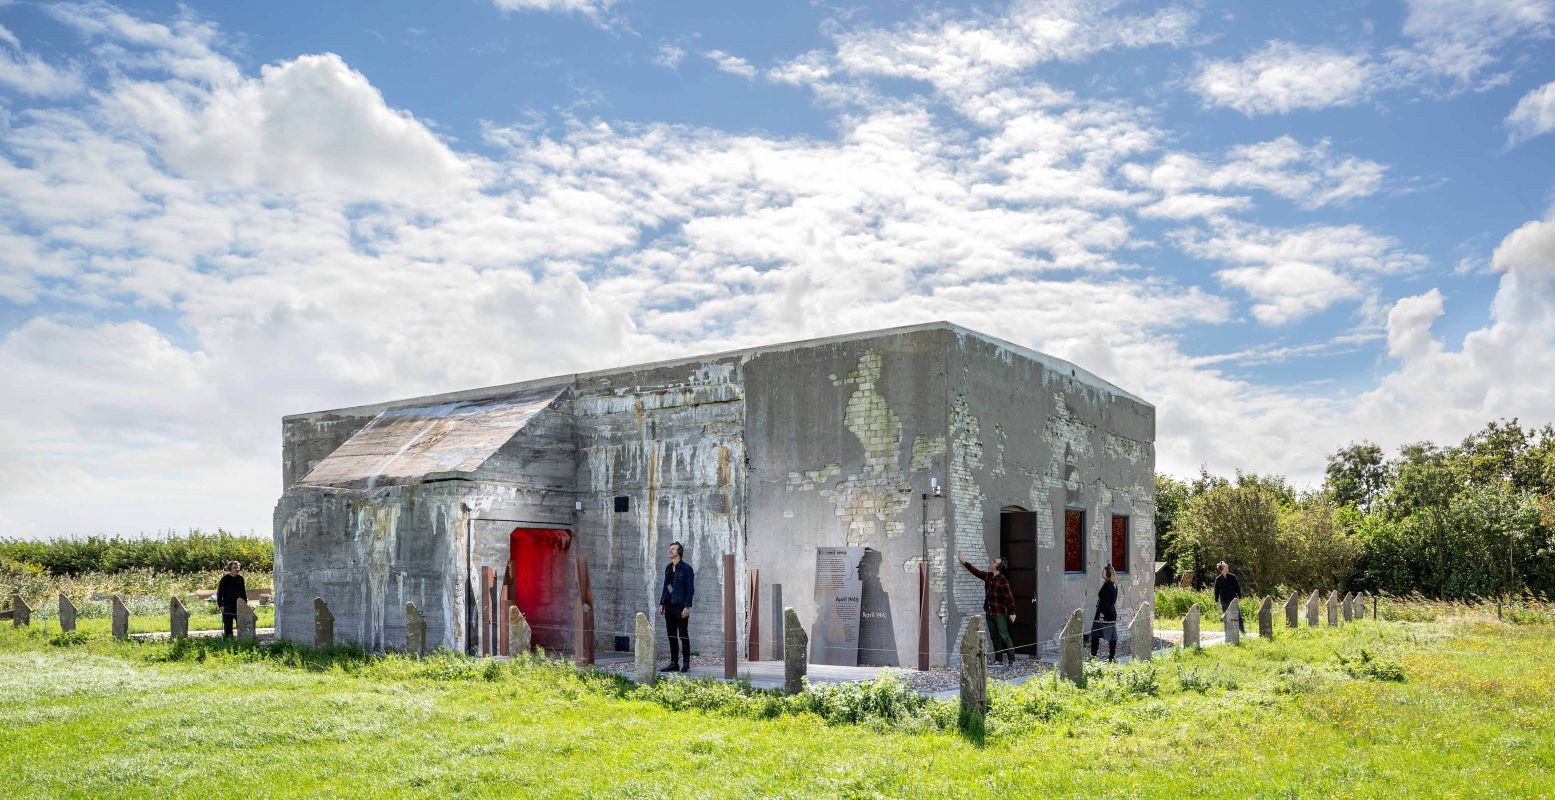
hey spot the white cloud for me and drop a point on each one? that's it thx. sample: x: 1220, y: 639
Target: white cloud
x: 1533, y: 115
x: 1284, y: 77
x: 1461, y: 39
x: 732, y: 64
x: 669, y: 56
x: 588, y: 8
x: 1311, y: 176
x: 1530, y: 248
x: 28, y: 74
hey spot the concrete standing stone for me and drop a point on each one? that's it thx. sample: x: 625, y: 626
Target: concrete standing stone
x: 1141, y: 632
x: 520, y: 637
x: 644, y: 670
x: 121, y: 618
x: 1293, y: 611
x: 415, y: 631
x: 21, y: 613
x: 1233, y: 620
x: 1266, y: 619
x: 67, y: 614
x: 177, y: 620
x: 323, y: 624
x: 796, y: 651
x: 1071, y: 650
x: 1333, y: 609
x: 1347, y: 607
x: 974, y: 667
x: 1313, y: 604
x: 1360, y: 606
x: 247, y: 621
x: 1190, y: 627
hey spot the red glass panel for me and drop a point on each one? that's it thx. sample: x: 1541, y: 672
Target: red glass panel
x: 1074, y: 541
x: 1120, y: 544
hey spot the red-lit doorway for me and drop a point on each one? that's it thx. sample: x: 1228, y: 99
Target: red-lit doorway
x: 540, y: 584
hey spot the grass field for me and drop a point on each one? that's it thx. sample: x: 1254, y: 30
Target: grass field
x: 1427, y: 709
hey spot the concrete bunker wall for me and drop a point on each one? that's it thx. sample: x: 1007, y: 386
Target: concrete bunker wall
x: 669, y: 443
x: 1044, y: 436
x: 844, y: 439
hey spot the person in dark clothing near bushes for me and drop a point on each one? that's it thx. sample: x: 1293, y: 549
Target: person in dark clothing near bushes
x: 998, y: 604
x: 1228, y: 590
x: 1105, y: 623
x: 228, y: 591
x: 675, y: 606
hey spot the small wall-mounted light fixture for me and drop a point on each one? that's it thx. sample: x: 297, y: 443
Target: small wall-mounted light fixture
x: 934, y: 486
x: 577, y: 505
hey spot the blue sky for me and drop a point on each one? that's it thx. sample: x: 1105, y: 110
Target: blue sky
x: 1289, y: 226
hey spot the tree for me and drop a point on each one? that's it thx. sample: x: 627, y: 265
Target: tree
x: 1239, y: 525
x: 1319, y: 550
x: 1171, y: 495
x: 1358, y: 474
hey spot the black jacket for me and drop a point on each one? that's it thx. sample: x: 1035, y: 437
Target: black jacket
x: 228, y: 591
x: 1227, y: 588
x: 1107, y: 602
x: 680, y: 585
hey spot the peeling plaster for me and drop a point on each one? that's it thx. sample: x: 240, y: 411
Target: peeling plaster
x: 873, y: 499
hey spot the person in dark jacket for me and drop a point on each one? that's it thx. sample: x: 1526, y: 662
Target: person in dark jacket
x: 675, y: 606
x: 228, y: 590
x: 1105, y: 624
x: 1228, y: 590
x: 998, y: 605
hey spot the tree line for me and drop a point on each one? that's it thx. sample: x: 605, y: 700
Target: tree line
x: 1458, y: 522
x: 195, y: 551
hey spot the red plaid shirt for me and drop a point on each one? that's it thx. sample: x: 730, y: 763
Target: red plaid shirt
x: 998, y: 600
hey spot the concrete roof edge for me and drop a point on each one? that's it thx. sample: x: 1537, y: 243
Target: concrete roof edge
x: 1054, y: 361
x: 573, y: 379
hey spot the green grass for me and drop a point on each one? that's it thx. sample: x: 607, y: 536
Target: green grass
x: 1314, y: 713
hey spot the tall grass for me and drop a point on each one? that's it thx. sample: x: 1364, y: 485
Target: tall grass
x: 195, y: 551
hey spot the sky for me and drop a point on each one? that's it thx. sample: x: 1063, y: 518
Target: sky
x: 1288, y: 226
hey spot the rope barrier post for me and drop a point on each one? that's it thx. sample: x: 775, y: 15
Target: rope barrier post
x: 485, y: 604
x: 507, y: 600
x: 753, y: 632
x: 923, y: 616
x: 731, y: 650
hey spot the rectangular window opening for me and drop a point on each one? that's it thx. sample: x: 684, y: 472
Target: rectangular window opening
x: 1074, y: 540
x: 1120, y: 543
x: 623, y: 504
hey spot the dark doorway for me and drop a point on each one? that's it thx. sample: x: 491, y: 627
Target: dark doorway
x: 1018, y: 544
x: 541, y: 588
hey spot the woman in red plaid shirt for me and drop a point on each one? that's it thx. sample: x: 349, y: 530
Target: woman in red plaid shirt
x: 998, y: 603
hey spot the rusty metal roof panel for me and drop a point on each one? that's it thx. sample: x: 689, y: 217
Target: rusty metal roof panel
x: 407, y: 443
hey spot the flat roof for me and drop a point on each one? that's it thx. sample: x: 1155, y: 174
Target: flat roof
x: 1051, y: 362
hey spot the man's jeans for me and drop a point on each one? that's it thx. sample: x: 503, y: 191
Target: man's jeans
x: 999, y: 631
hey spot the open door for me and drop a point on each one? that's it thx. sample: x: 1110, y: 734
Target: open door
x: 540, y: 584
x: 1018, y: 545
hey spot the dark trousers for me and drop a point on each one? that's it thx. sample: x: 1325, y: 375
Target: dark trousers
x: 680, y: 634
x: 228, y: 622
x: 999, y: 634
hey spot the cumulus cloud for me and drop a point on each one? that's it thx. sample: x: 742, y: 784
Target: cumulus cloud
x: 28, y: 74
x: 732, y: 64
x: 1284, y: 77
x: 1533, y: 115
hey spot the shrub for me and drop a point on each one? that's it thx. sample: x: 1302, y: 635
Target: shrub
x: 1365, y: 666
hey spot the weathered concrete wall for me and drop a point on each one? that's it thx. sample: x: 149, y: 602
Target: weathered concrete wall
x: 307, y: 438
x: 1040, y: 434
x: 367, y: 553
x: 843, y: 440
x: 670, y: 439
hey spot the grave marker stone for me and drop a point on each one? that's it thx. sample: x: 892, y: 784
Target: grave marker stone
x: 246, y: 621
x: 121, y: 618
x: 1233, y: 620
x: 1190, y: 627
x: 643, y: 669
x: 1347, y: 607
x: 1333, y: 609
x: 519, y: 635
x: 1360, y: 606
x: 415, y: 631
x: 1313, y: 604
x: 177, y: 619
x: 974, y: 667
x: 21, y: 613
x: 67, y: 614
x: 1071, y: 650
x: 1292, y: 611
x: 1141, y: 632
x: 1266, y: 619
x: 323, y: 624
x: 796, y: 652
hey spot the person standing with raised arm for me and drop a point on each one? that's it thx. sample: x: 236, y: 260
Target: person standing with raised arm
x: 998, y: 604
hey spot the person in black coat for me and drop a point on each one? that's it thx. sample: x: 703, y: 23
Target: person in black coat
x: 1105, y: 624
x: 1228, y: 590
x: 675, y: 605
x: 228, y: 591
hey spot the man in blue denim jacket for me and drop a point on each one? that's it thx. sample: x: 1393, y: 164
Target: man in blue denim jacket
x: 675, y: 606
